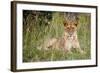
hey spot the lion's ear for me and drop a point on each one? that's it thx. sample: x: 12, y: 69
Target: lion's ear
x: 77, y: 21
x: 76, y: 24
x: 64, y: 23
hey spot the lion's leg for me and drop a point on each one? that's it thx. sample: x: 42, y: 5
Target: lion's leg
x: 76, y: 45
x: 68, y: 46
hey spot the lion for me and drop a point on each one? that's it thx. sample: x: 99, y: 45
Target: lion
x: 69, y: 39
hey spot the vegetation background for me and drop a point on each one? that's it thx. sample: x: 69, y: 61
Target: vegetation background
x: 41, y: 25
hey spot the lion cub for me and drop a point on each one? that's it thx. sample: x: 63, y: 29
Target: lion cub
x: 69, y: 40
x: 70, y: 36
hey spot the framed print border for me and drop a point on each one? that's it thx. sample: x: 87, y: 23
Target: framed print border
x: 14, y: 34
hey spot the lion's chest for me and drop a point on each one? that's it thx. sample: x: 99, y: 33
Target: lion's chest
x: 70, y: 41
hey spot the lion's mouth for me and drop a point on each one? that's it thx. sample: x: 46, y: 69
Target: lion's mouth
x: 70, y: 34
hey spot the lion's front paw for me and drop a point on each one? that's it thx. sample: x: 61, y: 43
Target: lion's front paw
x: 82, y: 52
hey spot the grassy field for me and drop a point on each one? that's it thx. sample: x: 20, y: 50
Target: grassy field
x: 35, y: 31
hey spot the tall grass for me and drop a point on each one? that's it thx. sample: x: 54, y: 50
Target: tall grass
x: 36, y: 32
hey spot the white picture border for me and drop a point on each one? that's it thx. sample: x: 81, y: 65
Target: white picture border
x: 34, y: 65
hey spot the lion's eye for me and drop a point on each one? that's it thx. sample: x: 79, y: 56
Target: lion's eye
x: 68, y: 28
